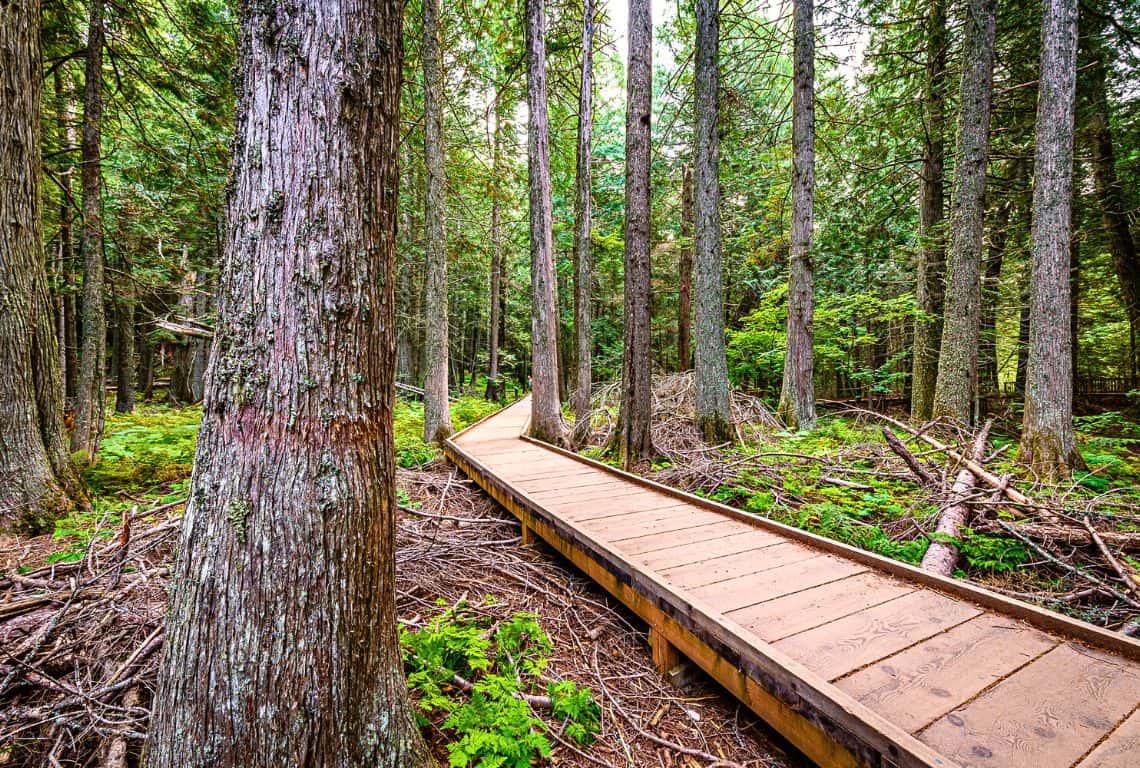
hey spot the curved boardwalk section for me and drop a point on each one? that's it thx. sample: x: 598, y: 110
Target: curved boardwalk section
x: 856, y: 659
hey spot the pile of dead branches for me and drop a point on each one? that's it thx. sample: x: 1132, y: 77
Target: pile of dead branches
x: 80, y: 642
x: 676, y: 436
x: 1069, y: 533
x: 79, y: 646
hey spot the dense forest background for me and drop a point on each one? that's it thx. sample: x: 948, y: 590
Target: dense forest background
x: 167, y: 97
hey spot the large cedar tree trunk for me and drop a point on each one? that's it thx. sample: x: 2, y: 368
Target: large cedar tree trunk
x: 685, y: 274
x: 1047, y: 440
x: 437, y: 415
x: 583, y: 262
x: 89, y: 400
x: 281, y: 637
x: 797, y: 395
x: 928, y: 291
x: 714, y: 409
x: 958, y: 353
x: 546, y: 411
x: 634, y: 438
x: 37, y: 483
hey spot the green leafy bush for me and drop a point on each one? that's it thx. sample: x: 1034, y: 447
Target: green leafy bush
x: 833, y: 521
x: 995, y: 554
x: 494, y: 725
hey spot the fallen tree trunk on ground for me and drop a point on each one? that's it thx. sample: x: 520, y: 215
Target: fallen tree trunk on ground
x: 942, y: 555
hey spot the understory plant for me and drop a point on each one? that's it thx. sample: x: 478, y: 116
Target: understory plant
x: 484, y: 684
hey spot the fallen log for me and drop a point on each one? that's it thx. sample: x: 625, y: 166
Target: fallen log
x: 1068, y: 534
x: 942, y: 555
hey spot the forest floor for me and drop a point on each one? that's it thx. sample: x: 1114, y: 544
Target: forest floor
x: 81, y: 623
x: 1073, y: 548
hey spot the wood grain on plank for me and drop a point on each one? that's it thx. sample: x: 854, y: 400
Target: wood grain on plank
x: 1048, y: 714
x: 917, y: 686
x: 651, y: 541
x: 718, y: 569
x: 776, y: 619
x: 1120, y: 750
x: 631, y: 526
x: 844, y: 645
x: 739, y: 538
x: 755, y: 588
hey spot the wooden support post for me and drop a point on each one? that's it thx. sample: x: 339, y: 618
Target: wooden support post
x: 665, y: 654
x: 528, y: 536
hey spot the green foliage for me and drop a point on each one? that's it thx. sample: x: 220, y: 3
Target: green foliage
x: 836, y: 522
x: 411, y: 450
x: 847, y: 329
x: 493, y: 723
x: 144, y: 450
x: 994, y: 554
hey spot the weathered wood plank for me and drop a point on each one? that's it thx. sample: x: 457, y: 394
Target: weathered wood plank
x: 1048, y: 714
x: 753, y: 588
x: 717, y: 569
x: 1120, y: 750
x: 852, y: 642
x: 917, y: 686
x: 694, y: 549
x: 784, y: 616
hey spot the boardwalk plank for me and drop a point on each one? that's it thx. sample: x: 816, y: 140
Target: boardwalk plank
x: 738, y: 538
x: 651, y: 541
x: 733, y: 594
x: 1120, y: 750
x: 1046, y: 715
x: 776, y: 619
x: 730, y: 566
x: 916, y: 686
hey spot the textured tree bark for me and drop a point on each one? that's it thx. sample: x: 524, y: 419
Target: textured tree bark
x: 714, y: 409
x: 65, y: 302
x: 929, y: 289
x: 281, y: 643
x: 494, y: 388
x: 125, y: 357
x: 37, y: 482
x: 546, y: 411
x: 995, y: 260
x: 797, y: 394
x: 685, y: 276
x: 1114, y: 210
x: 634, y: 438
x: 437, y: 413
x: 956, y: 383
x: 1047, y: 440
x: 89, y: 400
x: 583, y: 261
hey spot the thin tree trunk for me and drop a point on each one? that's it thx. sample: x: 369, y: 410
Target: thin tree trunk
x: 958, y: 354
x: 199, y: 347
x: 685, y: 276
x: 66, y: 274
x: 928, y: 292
x: 1075, y: 276
x: 714, y: 408
x: 797, y: 395
x: 281, y: 639
x: 437, y: 414
x: 1047, y: 440
x: 1114, y: 211
x: 146, y: 365
x: 995, y: 260
x: 494, y: 387
x: 634, y: 435
x: 546, y: 412
x: 125, y: 357
x: 89, y: 401
x: 37, y: 483
x: 583, y: 261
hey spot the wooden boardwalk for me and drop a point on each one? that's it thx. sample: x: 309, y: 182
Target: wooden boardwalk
x: 855, y: 659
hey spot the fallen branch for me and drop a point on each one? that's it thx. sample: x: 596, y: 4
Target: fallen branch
x: 919, y: 471
x: 942, y: 555
x: 1124, y: 575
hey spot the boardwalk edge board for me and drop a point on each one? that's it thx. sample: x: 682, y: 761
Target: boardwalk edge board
x: 1041, y: 618
x: 826, y: 724
x: 829, y: 725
